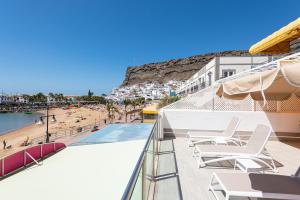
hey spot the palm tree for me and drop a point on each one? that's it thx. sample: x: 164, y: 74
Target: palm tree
x: 111, y: 110
x: 126, y: 102
x: 40, y: 97
x: 60, y: 97
x: 51, y: 95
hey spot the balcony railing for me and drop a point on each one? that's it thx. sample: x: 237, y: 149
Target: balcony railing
x: 23, y: 158
x: 141, y: 182
x: 206, y: 98
x: 260, y: 68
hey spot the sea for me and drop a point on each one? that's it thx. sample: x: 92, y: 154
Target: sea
x: 13, y: 121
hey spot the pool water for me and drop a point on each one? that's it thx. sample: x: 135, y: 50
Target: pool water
x: 118, y: 133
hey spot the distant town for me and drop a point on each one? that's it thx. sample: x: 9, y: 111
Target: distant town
x: 150, y: 91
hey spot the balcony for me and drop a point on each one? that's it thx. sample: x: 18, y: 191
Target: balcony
x: 176, y: 174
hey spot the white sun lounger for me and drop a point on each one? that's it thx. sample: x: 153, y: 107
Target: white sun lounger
x: 255, y: 185
x: 253, y: 150
x: 196, y: 137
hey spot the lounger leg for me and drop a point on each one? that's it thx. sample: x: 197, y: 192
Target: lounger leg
x: 217, y: 160
x: 199, y: 161
x: 234, y: 165
x: 267, y: 155
x: 274, y: 166
x: 189, y: 143
x: 194, y: 152
x: 260, y: 159
x: 227, y: 197
x: 211, y: 188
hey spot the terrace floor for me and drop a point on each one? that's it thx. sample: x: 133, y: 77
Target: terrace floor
x: 178, y: 176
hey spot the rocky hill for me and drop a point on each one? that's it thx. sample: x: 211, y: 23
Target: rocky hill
x: 176, y: 69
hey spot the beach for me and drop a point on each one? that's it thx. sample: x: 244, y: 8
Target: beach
x: 69, y: 119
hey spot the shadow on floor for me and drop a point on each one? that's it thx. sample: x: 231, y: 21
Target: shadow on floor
x: 167, y: 179
x: 231, y: 163
x: 295, y: 144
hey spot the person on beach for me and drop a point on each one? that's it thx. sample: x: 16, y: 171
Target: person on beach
x: 26, y: 142
x: 4, y: 144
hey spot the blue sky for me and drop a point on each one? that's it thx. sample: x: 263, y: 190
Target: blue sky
x: 76, y: 45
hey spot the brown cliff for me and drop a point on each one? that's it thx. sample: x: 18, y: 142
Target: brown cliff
x: 176, y: 69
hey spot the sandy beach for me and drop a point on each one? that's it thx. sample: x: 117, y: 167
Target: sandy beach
x: 66, y: 119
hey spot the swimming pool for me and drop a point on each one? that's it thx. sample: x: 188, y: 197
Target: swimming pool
x: 118, y: 133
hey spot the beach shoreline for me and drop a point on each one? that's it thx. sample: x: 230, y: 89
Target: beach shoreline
x: 36, y: 114
x: 65, y: 120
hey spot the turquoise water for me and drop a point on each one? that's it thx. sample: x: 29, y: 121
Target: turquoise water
x: 13, y: 121
x: 118, y: 133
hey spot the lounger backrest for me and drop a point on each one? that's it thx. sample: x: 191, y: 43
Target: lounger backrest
x: 297, y: 174
x: 232, y: 126
x: 258, y: 139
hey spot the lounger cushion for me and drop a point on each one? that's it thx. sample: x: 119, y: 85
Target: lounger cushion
x: 260, y: 184
x: 222, y: 150
x: 205, y: 134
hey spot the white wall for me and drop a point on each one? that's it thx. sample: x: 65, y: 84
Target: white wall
x: 237, y: 68
x: 243, y: 59
x: 218, y: 120
x: 239, y: 63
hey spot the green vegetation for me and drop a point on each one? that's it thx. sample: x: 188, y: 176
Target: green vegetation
x: 168, y: 100
x: 90, y: 94
x: 99, y: 99
x: 111, y: 110
x: 134, y: 103
x: 59, y: 97
x: 90, y: 97
x: 38, y: 98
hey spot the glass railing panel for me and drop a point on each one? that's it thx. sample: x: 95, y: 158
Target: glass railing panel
x: 138, y: 188
x: 148, y: 162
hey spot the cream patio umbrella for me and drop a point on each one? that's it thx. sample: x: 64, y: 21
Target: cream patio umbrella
x: 273, y: 84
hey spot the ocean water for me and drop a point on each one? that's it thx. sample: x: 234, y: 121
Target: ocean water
x: 13, y: 121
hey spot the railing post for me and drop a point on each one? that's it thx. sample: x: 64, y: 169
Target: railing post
x: 24, y: 154
x: 154, y: 148
x: 213, y: 101
x: 253, y: 105
x: 3, y: 160
x: 144, y: 178
x: 41, y: 151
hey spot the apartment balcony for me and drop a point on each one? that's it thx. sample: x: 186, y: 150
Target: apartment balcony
x: 177, y: 174
x: 168, y: 169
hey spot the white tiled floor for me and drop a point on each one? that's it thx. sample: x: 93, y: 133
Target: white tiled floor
x: 179, y: 177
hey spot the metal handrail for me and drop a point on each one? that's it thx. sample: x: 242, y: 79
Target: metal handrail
x: 133, y: 179
x: 66, y: 132
x: 36, y: 162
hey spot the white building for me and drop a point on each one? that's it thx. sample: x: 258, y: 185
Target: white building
x: 221, y: 67
x: 3, y: 99
x: 21, y: 99
x: 13, y: 99
x: 152, y: 90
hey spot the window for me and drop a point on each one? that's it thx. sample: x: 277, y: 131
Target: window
x: 209, y: 78
x: 228, y: 72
